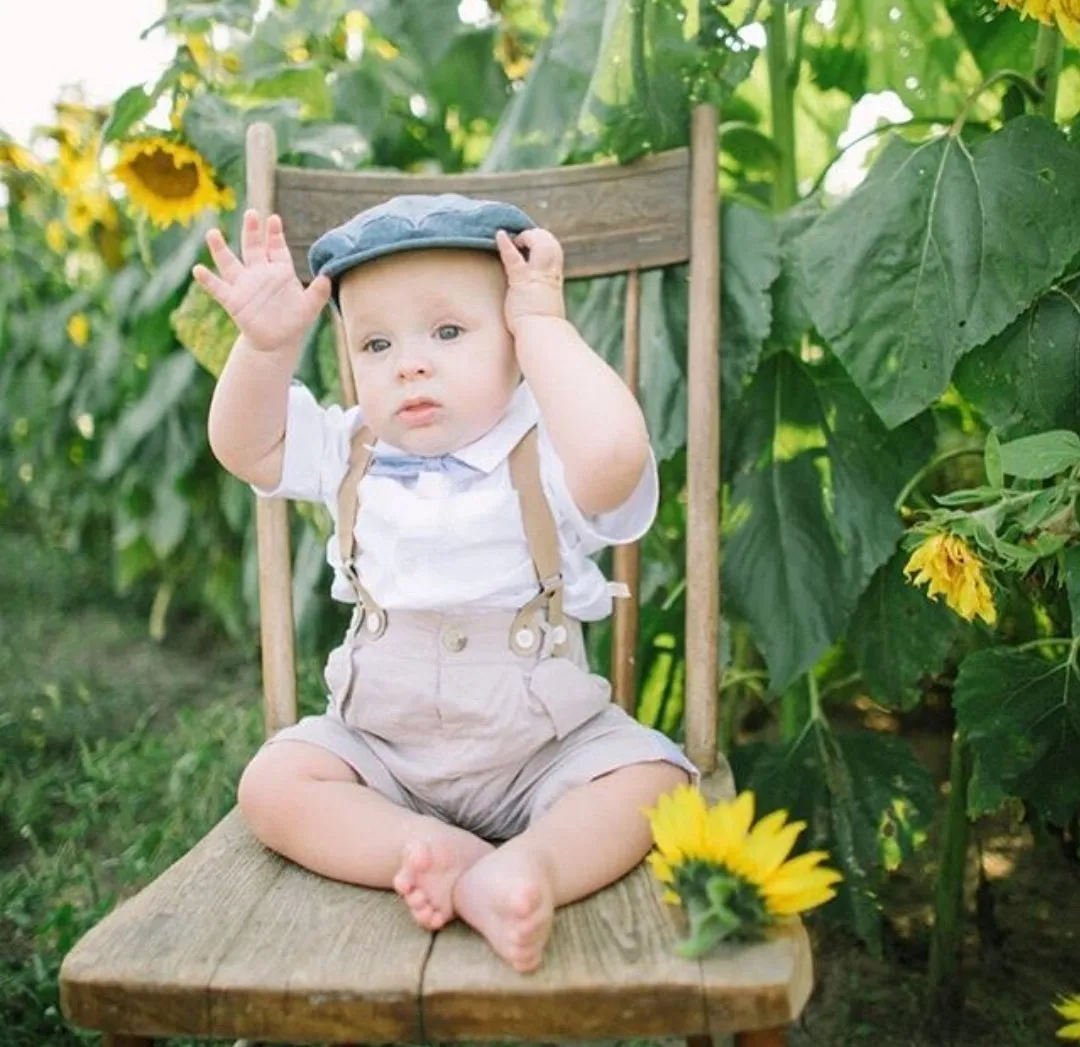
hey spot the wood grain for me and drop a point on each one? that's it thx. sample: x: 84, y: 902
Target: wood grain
x: 609, y: 970
x: 235, y: 941
x: 608, y: 218
x: 272, y: 515
x: 703, y: 449
x: 626, y: 559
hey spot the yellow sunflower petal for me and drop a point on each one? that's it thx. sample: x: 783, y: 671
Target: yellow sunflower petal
x: 1069, y: 1007
x: 661, y: 868
x: 168, y: 181
x: 769, y: 843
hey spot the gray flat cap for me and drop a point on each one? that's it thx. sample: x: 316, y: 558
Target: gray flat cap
x: 413, y: 223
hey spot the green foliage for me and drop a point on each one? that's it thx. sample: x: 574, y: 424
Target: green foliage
x: 1020, y: 712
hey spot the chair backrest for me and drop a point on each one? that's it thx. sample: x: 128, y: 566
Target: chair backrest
x: 610, y: 218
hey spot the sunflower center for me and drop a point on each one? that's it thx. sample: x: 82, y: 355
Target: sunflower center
x: 166, y: 176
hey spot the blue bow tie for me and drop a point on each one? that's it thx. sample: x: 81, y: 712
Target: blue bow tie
x: 410, y: 466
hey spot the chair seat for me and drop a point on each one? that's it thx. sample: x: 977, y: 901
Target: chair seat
x: 234, y: 941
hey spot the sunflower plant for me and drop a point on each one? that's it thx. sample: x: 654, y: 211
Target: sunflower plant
x: 732, y: 877
x: 1001, y: 527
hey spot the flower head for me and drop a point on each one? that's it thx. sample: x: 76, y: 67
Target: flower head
x: 168, y: 181
x: 734, y: 877
x: 953, y: 570
x: 78, y: 329
x: 1069, y: 1009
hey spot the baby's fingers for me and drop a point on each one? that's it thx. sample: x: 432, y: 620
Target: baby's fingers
x: 227, y: 263
x: 212, y: 284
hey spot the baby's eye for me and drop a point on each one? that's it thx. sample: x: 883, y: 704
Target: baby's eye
x: 448, y: 332
x: 375, y: 345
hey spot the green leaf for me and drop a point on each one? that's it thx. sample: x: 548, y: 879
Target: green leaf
x: 815, y: 474
x: 339, y: 146
x: 1025, y: 379
x: 540, y: 125
x: 169, y: 383
x: 791, y: 315
x: 865, y: 797
x: 750, y: 262
x: 427, y: 29
x: 994, y: 35
x: 898, y: 635
x: 992, y: 460
x: 1072, y: 585
x: 912, y: 48
x: 128, y: 109
x: 175, y: 270
x: 1021, y: 716
x: 204, y: 328
x: 941, y: 247
x: 1041, y: 456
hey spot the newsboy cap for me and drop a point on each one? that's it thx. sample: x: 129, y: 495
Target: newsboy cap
x: 412, y: 223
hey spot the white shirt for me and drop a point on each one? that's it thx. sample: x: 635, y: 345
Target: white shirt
x: 435, y: 544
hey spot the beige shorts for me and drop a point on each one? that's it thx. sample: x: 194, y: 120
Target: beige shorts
x: 439, y: 715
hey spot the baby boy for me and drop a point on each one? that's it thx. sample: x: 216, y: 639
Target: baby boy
x: 467, y: 757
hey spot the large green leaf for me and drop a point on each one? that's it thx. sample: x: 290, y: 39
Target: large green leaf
x: 168, y: 384
x: 750, y: 253
x: 539, y: 127
x: 997, y: 37
x: 204, y: 328
x: 898, y: 636
x: 865, y: 797
x: 1021, y: 715
x: 811, y: 515
x: 1027, y: 379
x: 911, y: 48
x: 941, y: 247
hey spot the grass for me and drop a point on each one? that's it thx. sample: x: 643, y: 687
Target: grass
x: 118, y: 753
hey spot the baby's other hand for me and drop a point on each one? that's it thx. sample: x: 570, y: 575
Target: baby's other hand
x: 262, y: 293
x: 533, y: 261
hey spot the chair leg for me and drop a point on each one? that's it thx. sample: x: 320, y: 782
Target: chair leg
x: 116, y: 1039
x: 762, y: 1038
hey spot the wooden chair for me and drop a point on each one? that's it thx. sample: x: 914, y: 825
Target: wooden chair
x: 233, y: 941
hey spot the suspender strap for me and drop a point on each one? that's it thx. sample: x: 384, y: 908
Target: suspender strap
x: 543, y: 539
x: 540, y: 532
x: 361, y: 449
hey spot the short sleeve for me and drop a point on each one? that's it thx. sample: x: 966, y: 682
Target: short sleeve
x: 626, y: 523
x: 316, y: 448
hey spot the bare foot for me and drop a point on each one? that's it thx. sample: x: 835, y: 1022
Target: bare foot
x: 508, y: 898
x: 430, y: 866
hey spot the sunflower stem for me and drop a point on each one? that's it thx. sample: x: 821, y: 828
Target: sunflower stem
x: 782, y: 84
x: 943, y: 987
x: 1047, y: 68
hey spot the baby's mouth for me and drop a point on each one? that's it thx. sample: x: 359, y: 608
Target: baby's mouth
x: 419, y: 411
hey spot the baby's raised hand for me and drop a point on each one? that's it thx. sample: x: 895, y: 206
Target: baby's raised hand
x: 534, y: 278
x: 262, y: 293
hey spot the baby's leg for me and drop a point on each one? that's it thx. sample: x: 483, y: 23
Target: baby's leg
x: 310, y: 806
x: 592, y: 835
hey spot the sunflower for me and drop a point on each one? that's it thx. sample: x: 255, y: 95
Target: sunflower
x: 169, y: 182
x: 1066, y: 13
x: 78, y: 329
x: 56, y: 236
x: 953, y: 569
x: 15, y: 157
x: 734, y: 878
x: 1069, y: 1009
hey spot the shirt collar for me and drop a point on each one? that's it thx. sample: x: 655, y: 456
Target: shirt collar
x: 487, y: 452
x: 495, y: 445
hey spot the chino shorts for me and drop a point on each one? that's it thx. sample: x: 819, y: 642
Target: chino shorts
x: 439, y: 715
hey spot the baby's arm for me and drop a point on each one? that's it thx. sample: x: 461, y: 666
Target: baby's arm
x: 595, y: 423
x: 273, y: 311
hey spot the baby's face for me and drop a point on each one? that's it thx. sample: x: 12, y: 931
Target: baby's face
x: 433, y: 360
